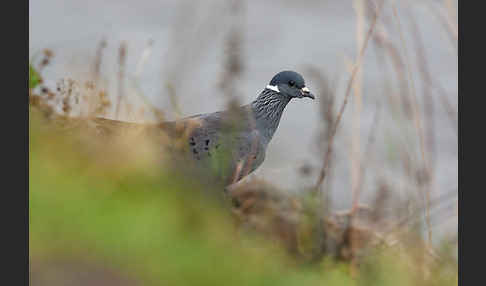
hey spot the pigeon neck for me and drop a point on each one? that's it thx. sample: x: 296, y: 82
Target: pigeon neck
x: 268, y: 109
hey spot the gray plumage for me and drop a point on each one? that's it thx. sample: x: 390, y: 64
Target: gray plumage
x: 231, y: 144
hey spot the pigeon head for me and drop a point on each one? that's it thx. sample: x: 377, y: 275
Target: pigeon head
x: 291, y: 84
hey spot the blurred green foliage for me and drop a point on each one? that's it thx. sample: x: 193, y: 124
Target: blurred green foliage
x: 34, y: 77
x: 160, y: 229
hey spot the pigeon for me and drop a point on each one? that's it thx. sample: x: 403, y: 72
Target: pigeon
x: 228, y: 145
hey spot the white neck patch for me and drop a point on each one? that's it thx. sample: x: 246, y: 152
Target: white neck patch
x: 273, y: 87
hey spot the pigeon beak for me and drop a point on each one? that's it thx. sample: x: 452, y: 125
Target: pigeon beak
x: 306, y: 93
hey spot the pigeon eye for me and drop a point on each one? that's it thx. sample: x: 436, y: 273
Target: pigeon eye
x: 291, y: 83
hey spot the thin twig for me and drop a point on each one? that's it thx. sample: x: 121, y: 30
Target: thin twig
x: 98, y: 59
x: 368, y: 152
x: 327, y: 90
x: 444, y: 16
x: 417, y: 119
x: 136, y: 79
x: 357, y: 106
x: 428, y: 100
x: 121, y: 76
x: 327, y: 155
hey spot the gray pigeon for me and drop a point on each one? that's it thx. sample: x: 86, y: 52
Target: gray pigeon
x: 231, y: 144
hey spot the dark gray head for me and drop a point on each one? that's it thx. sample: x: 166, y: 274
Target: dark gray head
x: 291, y: 84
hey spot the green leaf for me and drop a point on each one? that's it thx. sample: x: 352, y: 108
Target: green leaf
x: 34, y: 77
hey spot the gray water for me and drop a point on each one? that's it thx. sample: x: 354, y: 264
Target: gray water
x: 188, y: 48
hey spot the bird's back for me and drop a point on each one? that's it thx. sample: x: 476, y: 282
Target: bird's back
x: 225, y: 145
